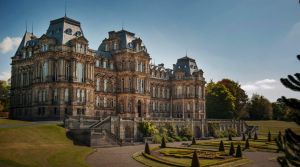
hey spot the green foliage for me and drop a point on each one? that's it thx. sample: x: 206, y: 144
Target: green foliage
x: 4, y: 97
x: 219, y: 101
x: 186, y: 132
x: 170, y: 130
x: 147, y: 149
x: 244, y: 137
x: 185, y: 139
x: 232, y: 132
x: 163, y: 143
x: 247, y: 145
x: 156, y: 138
x: 177, y: 138
x: 238, y: 152
x: 147, y: 129
x: 255, y: 136
x: 221, y: 146
x: 259, y: 108
x: 195, y: 160
x: 231, y: 150
x: 170, y: 139
x: 238, y: 93
x: 194, y: 141
x: 269, y: 137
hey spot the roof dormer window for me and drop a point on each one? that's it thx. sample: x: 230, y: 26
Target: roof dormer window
x: 78, y: 34
x: 68, y: 31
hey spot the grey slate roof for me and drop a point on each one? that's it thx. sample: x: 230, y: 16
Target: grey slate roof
x: 26, y: 37
x: 186, y: 64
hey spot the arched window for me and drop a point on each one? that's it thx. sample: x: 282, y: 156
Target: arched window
x: 79, y: 72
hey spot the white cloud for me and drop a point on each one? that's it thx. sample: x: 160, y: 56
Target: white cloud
x: 9, y: 44
x: 265, y: 84
x: 265, y: 81
x: 4, y: 75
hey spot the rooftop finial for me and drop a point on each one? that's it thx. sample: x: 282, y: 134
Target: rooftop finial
x: 185, y: 52
x: 32, y: 28
x: 26, y: 26
x: 122, y: 25
x: 65, y: 8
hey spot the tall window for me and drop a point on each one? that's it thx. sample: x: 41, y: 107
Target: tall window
x: 199, y: 91
x: 104, y: 64
x: 66, y: 95
x: 97, y: 63
x: 45, y: 70
x: 98, y: 101
x: 98, y: 84
x: 78, y: 95
x: 79, y: 72
x: 105, y: 85
x: 55, y: 95
x: 105, y: 102
x: 82, y: 97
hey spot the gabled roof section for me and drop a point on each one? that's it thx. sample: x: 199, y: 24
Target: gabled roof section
x: 187, y: 65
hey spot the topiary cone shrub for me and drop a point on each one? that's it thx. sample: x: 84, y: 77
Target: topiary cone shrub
x: 195, y: 160
x: 269, y: 137
x: 194, y: 141
x: 244, y: 137
x: 249, y: 135
x: 255, y: 136
x: 247, y: 145
x: 163, y: 143
x: 147, y: 149
x: 229, y: 137
x: 221, y: 146
x: 238, y: 152
x: 231, y: 151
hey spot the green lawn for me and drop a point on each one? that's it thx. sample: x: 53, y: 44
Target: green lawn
x: 274, y: 126
x: 39, y: 145
x: 4, y: 121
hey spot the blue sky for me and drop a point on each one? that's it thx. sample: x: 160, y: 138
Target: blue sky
x: 254, y: 42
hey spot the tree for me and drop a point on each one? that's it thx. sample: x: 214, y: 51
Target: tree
x: 289, y: 142
x: 147, y: 149
x: 163, y: 143
x: 194, y: 141
x: 259, y: 108
x: 247, y: 145
x: 231, y: 151
x: 238, y: 93
x: 221, y: 146
x: 195, y: 160
x: 219, y: 101
x: 255, y: 136
x: 238, y: 153
x: 4, y: 96
x: 244, y: 137
x: 283, y: 112
x: 269, y: 137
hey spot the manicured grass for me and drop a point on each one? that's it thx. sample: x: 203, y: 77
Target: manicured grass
x: 4, y: 121
x: 274, y: 126
x: 40, y: 145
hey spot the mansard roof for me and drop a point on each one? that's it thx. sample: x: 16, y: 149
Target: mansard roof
x: 26, y: 37
x: 187, y: 65
x: 64, y: 29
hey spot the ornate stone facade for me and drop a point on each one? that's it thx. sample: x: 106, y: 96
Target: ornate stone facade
x: 58, y: 74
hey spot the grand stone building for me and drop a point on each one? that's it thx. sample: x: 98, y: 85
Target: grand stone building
x: 57, y: 75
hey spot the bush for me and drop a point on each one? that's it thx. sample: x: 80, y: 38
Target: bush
x: 255, y: 136
x: 163, y: 143
x: 185, y: 139
x: 156, y: 138
x: 185, y: 131
x: 221, y: 146
x: 269, y: 137
x: 231, y: 151
x: 147, y: 129
x: 194, y: 141
x: 238, y: 152
x: 177, y: 138
x: 244, y: 137
x: 147, y: 149
x: 232, y: 132
x: 195, y: 160
x: 247, y: 145
x: 170, y: 139
x: 170, y: 130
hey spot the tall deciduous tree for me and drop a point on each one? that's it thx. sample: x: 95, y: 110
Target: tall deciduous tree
x: 259, y: 108
x: 240, y: 95
x: 219, y: 101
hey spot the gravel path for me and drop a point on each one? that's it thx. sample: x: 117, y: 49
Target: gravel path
x: 121, y: 157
